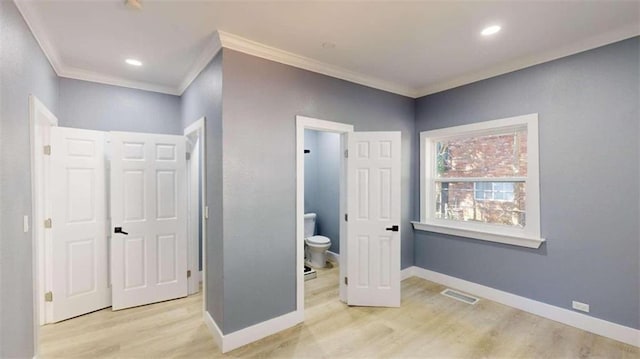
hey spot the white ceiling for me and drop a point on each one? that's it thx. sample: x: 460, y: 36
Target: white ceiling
x: 412, y: 48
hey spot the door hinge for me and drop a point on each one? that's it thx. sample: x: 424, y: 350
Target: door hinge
x: 47, y: 223
x: 188, y: 155
x: 48, y: 297
x: 346, y: 153
x: 346, y: 280
x: 346, y: 217
x: 47, y: 150
x: 188, y: 274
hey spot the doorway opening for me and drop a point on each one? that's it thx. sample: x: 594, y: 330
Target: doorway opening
x: 321, y: 146
x: 198, y: 211
x: 321, y: 205
x: 369, y: 214
x: 112, y: 228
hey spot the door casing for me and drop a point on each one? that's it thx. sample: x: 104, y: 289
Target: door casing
x: 308, y: 123
x: 196, y: 132
x: 40, y: 120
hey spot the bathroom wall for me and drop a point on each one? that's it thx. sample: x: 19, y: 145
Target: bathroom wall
x: 324, y: 189
x: 95, y: 106
x: 329, y: 188
x: 204, y: 98
x: 311, y: 171
x: 24, y: 70
x: 589, y: 119
x: 261, y: 100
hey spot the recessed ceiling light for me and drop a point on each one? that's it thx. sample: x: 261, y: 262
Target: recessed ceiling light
x: 133, y: 4
x: 490, y: 30
x: 133, y: 62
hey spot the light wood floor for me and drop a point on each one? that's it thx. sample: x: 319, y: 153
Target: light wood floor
x: 427, y: 325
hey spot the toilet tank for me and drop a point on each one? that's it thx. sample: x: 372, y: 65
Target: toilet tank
x: 309, y: 224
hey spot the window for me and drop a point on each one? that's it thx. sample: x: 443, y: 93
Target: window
x: 481, y: 181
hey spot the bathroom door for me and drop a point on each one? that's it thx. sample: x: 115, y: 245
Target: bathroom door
x: 149, y: 218
x: 373, y: 230
x: 77, y: 252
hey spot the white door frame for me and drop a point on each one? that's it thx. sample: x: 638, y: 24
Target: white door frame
x: 40, y: 133
x: 197, y: 130
x: 308, y: 123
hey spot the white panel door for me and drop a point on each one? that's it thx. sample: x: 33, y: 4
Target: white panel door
x: 373, y: 234
x: 149, y: 203
x: 79, y: 245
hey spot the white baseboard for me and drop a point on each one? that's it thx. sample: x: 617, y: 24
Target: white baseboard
x: 581, y: 321
x: 334, y: 257
x: 587, y: 323
x: 407, y: 273
x: 248, y: 335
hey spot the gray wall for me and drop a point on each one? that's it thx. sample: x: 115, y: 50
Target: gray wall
x: 589, y: 173
x: 24, y: 70
x: 204, y: 98
x: 95, y: 106
x: 322, y: 192
x: 261, y: 100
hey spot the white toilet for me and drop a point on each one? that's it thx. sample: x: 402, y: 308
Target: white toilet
x: 316, y: 246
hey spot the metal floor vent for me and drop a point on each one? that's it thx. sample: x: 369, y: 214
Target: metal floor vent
x: 460, y: 296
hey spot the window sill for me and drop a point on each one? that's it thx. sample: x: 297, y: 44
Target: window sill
x: 516, y: 240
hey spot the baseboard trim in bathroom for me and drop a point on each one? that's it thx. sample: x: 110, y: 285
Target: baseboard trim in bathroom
x: 333, y: 257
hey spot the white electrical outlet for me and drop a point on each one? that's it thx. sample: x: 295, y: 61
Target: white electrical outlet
x: 580, y: 306
x: 25, y: 224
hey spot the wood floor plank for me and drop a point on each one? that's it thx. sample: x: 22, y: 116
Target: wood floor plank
x: 427, y: 325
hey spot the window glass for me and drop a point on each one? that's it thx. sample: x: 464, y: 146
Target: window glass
x: 486, y: 202
x: 486, y: 156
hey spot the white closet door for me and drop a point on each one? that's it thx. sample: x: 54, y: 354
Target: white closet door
x: 79, y: 242
x: 149, y: 203
x: 373, y: 195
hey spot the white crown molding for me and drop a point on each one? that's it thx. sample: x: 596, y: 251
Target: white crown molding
x: 34, y: 24
x: 528, y: 61
x: 585, y: 322
x: 84, y: 75
x: 207, y: 54
x: 222, y: 39
x: 250, y: 47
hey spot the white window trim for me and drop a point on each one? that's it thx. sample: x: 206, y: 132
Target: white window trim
x: 529, y: 236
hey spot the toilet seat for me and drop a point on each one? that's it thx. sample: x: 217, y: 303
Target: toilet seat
x: 318, y: 240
